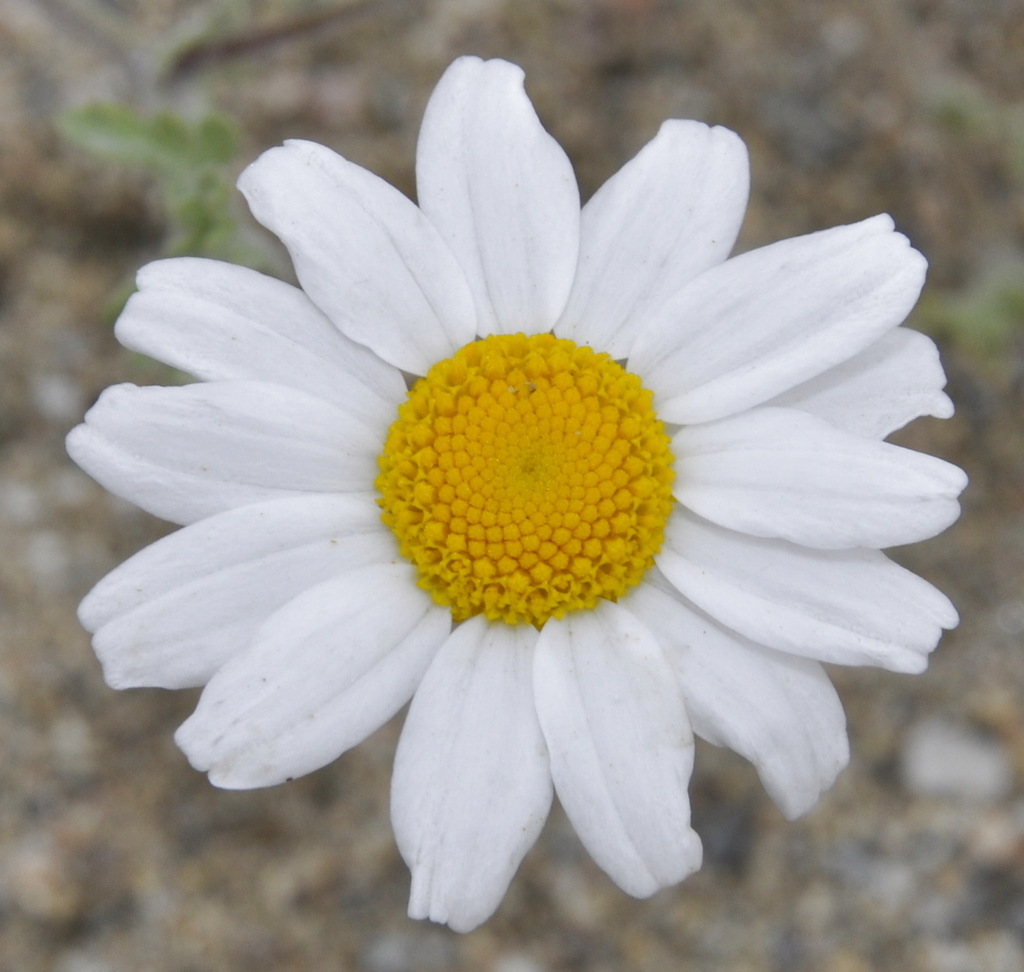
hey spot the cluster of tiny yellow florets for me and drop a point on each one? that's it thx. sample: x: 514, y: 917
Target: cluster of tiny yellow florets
x: 526, y: 477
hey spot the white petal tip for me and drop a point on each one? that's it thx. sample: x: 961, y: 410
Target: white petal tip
x: 471, y: 64
x: 880, y: 223
x: 226, y: 772
x: 225, y: 779
x: 462, y: 924
x: 89, y: 612
x: 76, y: 442
x: 793, y: 808
x: 950, y: 620
x: 942, y: 407
x: 429, y: 902
x: 118, y: 679
x: 908, y: 663
x: 667, y: 872
x: 794, y: 802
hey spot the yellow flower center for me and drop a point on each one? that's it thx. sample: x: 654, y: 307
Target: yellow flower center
x: 526, y: 477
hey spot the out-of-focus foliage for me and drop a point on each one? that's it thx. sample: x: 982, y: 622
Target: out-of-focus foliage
x: 192, y: 164
x: 165, y: 141
x: 986, y: 317
x: 968, y: 114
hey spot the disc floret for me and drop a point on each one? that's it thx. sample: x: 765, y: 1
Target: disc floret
x: 526, y: 477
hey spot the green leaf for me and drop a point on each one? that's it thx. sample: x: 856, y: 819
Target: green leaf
x: 986, y: 316
x: 165, y: 141
x: 192, y: 162
x: 216, y: 140
x: 115, y: 131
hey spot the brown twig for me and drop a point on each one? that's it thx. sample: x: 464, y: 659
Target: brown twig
x: 205, y: 53
x: 94, y: 26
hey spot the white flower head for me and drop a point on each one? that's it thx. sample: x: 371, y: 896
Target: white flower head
x: 634, y: 489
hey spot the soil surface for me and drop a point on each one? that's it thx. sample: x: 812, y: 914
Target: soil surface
x: 115, y: 856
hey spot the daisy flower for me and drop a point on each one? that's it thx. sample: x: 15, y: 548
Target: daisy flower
x: 575, y: 483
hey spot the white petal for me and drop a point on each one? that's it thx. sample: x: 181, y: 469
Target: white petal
x: 471, y: 787
x: 851, y: 607
x: 666, y: 216
x: 503, y: 194
x: 221, y: 322
x: 364, y: 253
x: 189, y: 452
x: 177, y: 611
x: 765, y: 321
x: 620, y: 744
x: 779, y: 711
x: 779, y: 472
x: 326, y: 670
x: 890, y: 383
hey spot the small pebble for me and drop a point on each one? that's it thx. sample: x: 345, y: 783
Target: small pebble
x: 58, y: 398
x: 516, y: 962
x: 34, y: 876
x: 20, y: 504
x: 417, y: 951
x: 941, y: 758
x: 47, y: 559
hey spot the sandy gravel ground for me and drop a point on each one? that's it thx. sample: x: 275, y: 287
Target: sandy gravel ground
x: 115, y: 856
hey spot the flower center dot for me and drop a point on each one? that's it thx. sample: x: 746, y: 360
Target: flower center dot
x: 526, y: 477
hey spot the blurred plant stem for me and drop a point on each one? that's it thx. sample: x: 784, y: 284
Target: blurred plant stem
x: 193, y: 165
x: 986, y: 317
x: 209, y: 51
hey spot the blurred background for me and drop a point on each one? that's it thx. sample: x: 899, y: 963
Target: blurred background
x: 124, y: 125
